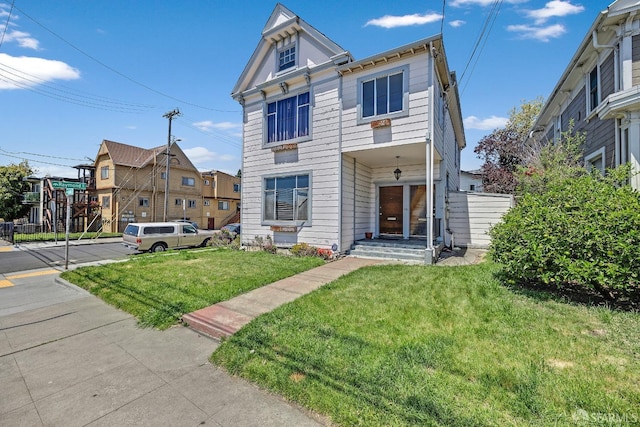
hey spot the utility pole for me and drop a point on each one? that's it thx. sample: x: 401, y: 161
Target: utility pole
x: 170, y: 115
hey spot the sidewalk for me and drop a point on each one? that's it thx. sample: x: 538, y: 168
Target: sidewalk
x: 26, y: 246
x: 84, y: 363
x: 227, y: 317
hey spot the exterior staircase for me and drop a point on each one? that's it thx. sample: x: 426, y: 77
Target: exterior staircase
x: 410, y: 251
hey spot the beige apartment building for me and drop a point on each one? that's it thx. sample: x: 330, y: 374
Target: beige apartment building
x: 131, y: 181
x: 221, y: 199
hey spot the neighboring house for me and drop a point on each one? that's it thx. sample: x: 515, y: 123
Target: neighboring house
x: 130, y: 185
x: 47, y: 211
x: 471, y: 180
x: 221, y: 204
x: 600, y: 91
x: 324, y: 134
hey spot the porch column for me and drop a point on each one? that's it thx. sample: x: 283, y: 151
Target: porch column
x: 634, y: 149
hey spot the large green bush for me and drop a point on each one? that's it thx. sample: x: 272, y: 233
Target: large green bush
x: 581, y: 230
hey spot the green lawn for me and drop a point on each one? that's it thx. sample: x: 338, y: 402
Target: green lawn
x: 61, y: 235
x: 414, y: 345
x: 159, y: 289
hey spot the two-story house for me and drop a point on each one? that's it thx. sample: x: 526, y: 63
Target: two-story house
x: 336, y: 148
x: 131, y: 182
x: 221, y: 204
x: 599, y: 92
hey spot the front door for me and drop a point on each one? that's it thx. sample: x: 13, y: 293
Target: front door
x: 391, y: 210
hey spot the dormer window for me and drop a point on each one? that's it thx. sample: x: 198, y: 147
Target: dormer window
x: 287, y: 57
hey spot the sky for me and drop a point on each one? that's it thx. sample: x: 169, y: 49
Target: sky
x: 74, y: 73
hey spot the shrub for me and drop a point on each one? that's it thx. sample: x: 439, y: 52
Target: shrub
x: 583, y: 230
x: 225, y: 239
x: 304, y: 249
x: 264, y: 244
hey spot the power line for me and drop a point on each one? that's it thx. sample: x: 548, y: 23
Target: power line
x: 4, y: 31
x: 42, y: 155
x: 19, y: 74
x: 116, y: 71
x: 493, y: 13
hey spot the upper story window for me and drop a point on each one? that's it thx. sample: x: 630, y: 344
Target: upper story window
x: 190, y: 182
x: 143, y: 202
x: 288, y: 118
x: 104, y: 172
x: 287, y: 57
x: 594, y: 99
x: 191, y: 204
x: 236, y: 188
x: 163, y: 175
x: 384, y: 94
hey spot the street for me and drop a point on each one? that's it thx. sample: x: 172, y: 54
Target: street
x: 31, y: 256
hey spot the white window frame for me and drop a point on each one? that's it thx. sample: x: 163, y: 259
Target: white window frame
x: 207, y: 202
x: 206, y: 182
x: 266, y: 114
x: 236, y: 188
x: 590, y: 158
x: 281, y: 51
x: 224, y: 205
x: 405, y: 95
x: 106, y: 202
x: 191, y: 204
x: 104, y: 172
x: 187, y: 180
x: 163, y: 175
x: 589, y: 89
x: 143, y: 202
x: 305, y: 222
x: 178, y: 202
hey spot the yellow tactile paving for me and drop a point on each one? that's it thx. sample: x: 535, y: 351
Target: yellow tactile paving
x: 32, y: 274
x: 5, y: 249
x: 5, y: 283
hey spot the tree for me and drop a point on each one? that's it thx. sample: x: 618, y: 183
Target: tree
x: 505, y: 149
x: 12, y: 186
x: 239, y: 174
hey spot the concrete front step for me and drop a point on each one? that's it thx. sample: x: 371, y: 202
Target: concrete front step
x: 216, y: 321
x: 414, y: 255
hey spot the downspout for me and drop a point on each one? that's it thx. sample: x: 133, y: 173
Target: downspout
x: 430, y: 253
x: 340, y: 163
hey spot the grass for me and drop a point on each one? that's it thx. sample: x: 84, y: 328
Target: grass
x: 159, y: 289
x: 61, y: 235
x: 414, y: 345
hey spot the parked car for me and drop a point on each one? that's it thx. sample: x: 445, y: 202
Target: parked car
x: 160, y: 236
x: 186, y: 221
x: 232, y: 230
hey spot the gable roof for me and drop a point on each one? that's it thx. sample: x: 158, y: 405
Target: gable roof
x: 128, y: 155
x: 282, y: 23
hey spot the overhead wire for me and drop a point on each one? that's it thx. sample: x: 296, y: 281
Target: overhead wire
x: 22, y: 76
x: 495, y: 8
x: 484, y: 42
x: 136, y: 82
x: 6, y: 25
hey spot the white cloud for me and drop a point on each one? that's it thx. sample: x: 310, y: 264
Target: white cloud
x: 543, y: 34
x: 20, y: 72
x: 208, y: 125
x: 491, y: 123
x: 20, y: 37
x: 390, y: 21
x: 552, y: 9
x: 462, y: 3
x: 457, y: 23
x: 200, y: 155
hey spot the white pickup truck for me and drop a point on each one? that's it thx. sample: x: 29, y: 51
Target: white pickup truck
x: 160, y: 236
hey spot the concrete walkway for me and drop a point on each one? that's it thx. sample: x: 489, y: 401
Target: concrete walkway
x: 227, y: 317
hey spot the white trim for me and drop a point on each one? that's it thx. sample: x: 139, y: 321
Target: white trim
x: 305, y: 223
x: 595, y: 155
x: 265, y: 123
x: 405, y: 95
